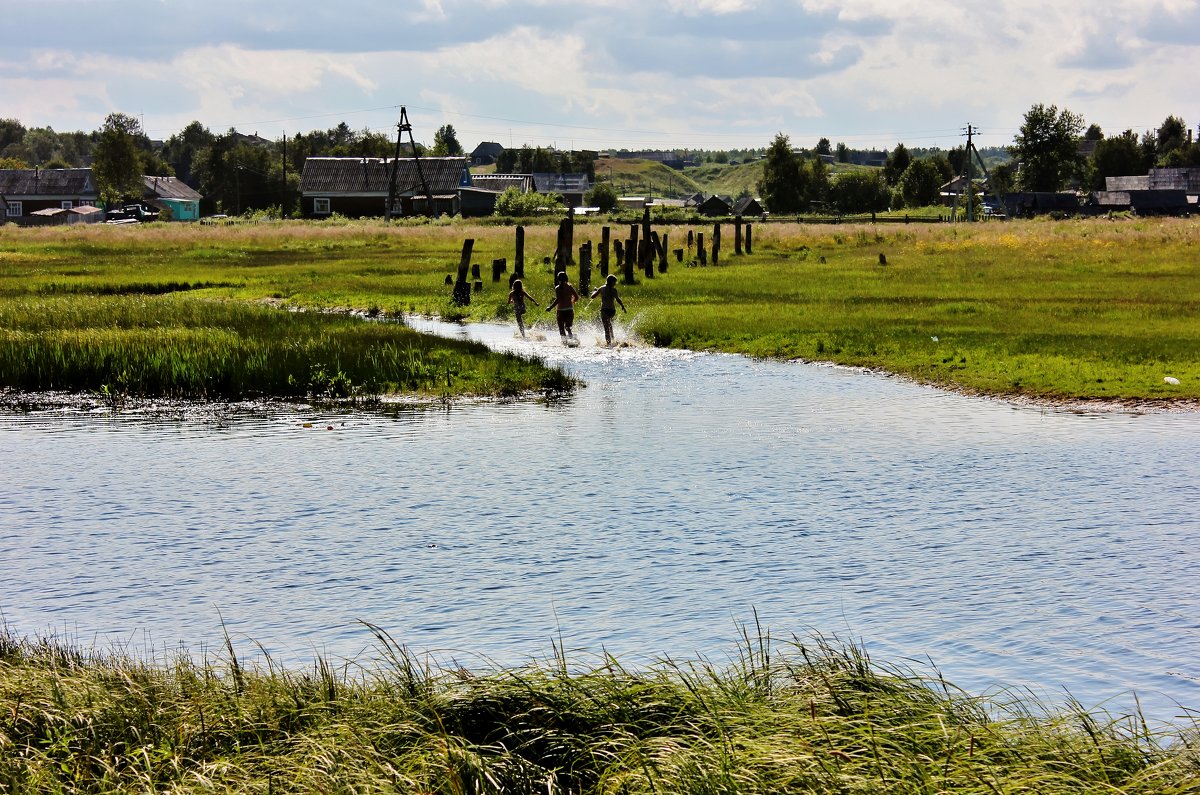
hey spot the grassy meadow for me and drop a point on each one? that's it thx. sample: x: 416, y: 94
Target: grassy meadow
x: 1060, y: 310
x: 159, y: 313
x: 799, y: 717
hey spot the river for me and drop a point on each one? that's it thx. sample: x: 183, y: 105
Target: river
x: 654, y: 513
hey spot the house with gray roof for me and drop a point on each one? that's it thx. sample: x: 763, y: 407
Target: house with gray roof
x: 173, y: 198
x: 24, y: 191
x: 358, y: 187
x: 571, y: 187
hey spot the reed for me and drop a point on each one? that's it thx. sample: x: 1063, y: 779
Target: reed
x: 803, y: 716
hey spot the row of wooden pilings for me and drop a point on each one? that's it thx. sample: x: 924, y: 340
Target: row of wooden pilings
x: 645, y: 250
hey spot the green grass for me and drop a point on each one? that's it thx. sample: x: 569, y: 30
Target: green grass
x: 796, y: 717
x: 131, y: 315
x: 1077, y: 309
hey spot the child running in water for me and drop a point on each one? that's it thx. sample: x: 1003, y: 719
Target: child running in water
x: 517, y: 298
x: 608, y: 310
x: 565, y: 298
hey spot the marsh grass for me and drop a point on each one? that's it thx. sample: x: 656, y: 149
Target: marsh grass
x: 1097, y: 308
x: 179, y: 347
x: 804, y: 716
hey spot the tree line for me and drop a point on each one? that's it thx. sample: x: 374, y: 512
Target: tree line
x: 1054, y: 149
x: 233, y: 171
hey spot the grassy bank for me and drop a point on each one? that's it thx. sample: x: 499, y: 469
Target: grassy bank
x: 793, y: 718
x: 136, y: 316
x: 1079, y: 309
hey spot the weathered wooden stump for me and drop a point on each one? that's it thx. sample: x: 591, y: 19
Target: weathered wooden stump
x: 737, y: 236
x: 701, y: 254
x: 749, y: 238
x: 716, y: 244
x: 519, y: 259
x: 604, y: 240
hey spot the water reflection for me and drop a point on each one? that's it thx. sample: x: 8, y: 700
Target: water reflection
x: 674, y: 496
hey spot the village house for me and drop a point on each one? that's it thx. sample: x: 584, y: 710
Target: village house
x: 486, y: 153
x: 714, y: 205
x: 747, y: 205
x: 572, y: 187
x: 174, y: 199
x: 359, y: 187
x: 24, y: 191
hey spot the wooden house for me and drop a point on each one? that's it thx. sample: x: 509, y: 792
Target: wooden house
x: 173, y: 198
x: 24, y: 191
x: 714, y: 205
x: 359, y: 187
x: 572, y: 187
x: 486, y: 153
x: 747, y: 206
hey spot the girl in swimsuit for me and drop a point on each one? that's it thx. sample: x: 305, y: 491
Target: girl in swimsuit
x: 517, y: 298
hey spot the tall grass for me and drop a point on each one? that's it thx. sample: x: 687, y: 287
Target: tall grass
x: 180, y: 347
x: 797, y: 717
x: 1098, y: 308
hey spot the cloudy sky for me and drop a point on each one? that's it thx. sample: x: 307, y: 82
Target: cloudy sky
x: 703, y: 74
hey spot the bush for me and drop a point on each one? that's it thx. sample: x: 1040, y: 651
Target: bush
x: 513, y: 202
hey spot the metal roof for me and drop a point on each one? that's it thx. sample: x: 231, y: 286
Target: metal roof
x: 562, y: 183
x: 18, y: 182
x: 170, y: 188
x: 357, y: 175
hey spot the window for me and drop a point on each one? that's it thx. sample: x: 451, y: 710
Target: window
x: 15, y: 209
x: 320, y: 206
x: 67, y: 205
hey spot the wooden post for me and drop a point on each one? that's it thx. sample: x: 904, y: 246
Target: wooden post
x: 604, y: 234
x: 475, y: 271
x: 585, y: 268
x: 479, y: 285
x: 497, y: 269
x: 646, y: 255
x: 618, y: 252
x: 700, y: 252
x: 631, y: 247
x: 647, y: 261
x: 691, y: 239
x: 679, y: 255
x: 737, y: 236
x: 749, y: 238
x: 662, y: 253
x: 716, y: 244
x: 519, y: 261
x: 462, y: 289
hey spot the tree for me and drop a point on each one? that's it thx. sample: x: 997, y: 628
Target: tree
x: 1169, y: 137
x: 859, y: 192
x: 12, y: 162
x: 896, y: 164
x: 1002, y: 178
x: 117, y: 163
x: 1094, y: 133
x: 11, y: 132
x: 1119, y: 156
x: 823, y: 147
x: 180, y: 149
x: 919, y: 184
x: 843, y: 153
x: 781, y: 185
x: 445, y: 142
x: 1047, y: 148
x: 603, y: 195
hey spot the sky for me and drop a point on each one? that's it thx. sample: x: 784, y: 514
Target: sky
x: 599, y: 74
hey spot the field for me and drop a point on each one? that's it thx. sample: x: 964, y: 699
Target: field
x: 796, y: 717
x: 1057, y: 310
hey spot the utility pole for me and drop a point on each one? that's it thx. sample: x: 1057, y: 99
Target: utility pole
x: 970, y: 147
x: 283, y: 206
x: 405, y: 127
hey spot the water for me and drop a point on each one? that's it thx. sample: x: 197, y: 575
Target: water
x: 671, y: 500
